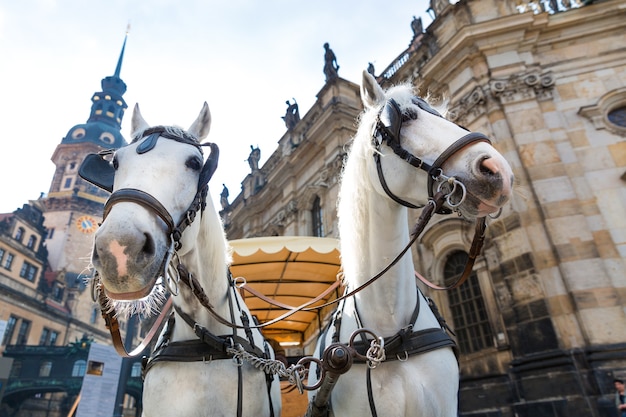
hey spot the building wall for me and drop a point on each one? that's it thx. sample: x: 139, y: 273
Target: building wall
x: 540, y: 85
x: 539, y: 79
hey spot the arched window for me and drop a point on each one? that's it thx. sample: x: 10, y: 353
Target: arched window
x: 45, y: 368
x: 80, y: 366
x: 469, y: 315
x: 19, y: 234
x: 316, y: 218
x: 32, y: 240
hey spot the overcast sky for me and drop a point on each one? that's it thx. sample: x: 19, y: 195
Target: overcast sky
x: 244, y: 57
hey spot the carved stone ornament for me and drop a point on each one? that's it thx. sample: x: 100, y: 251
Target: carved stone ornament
x: 519, y: 87
x: 469, y: 107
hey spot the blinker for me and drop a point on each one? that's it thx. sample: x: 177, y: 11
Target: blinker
x: 149, y: 143
x: 98, y: 171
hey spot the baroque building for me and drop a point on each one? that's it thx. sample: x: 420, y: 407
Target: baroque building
x: 45, y: 248
x: 541, y: 323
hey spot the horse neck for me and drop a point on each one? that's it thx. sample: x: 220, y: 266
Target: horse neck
x: 369, y: 245
x: 206, y: 260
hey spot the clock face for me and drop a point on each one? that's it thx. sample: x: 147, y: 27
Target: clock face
x: 86, y: 224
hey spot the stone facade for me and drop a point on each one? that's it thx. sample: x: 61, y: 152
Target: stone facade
x: 545, y: 81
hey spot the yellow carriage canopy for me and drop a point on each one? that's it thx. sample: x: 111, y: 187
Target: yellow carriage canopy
x: 291, y: 270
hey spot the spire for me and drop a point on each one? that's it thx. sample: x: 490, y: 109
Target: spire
x: 113, y: 83
x: 107, y: 110
x: 118, y: 68
x: 108, y: 105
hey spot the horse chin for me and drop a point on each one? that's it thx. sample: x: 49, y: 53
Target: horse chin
x: 131, y: 295
x: 145, y: 306
x: 473, y: 208
x: 485, y: 209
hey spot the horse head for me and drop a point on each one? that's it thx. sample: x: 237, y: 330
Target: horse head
x: 160, y: 182
x: 465, y: 166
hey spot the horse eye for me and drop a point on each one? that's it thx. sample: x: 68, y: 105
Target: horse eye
x: 115, y: 163
x: 194, y: 164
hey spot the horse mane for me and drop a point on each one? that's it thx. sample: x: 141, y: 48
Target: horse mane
x: 352, y: 207
x: 213, y: 243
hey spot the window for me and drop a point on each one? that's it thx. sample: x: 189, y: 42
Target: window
x: 316, y: 218
x: 469, y: 315
x: 48, y: 337
x: 50, y: 233
x: 9, y: 261
x: 68, y: 183
x: 8, y: 333
x: 19, y: 234
x: 22, y: 334
x: 45, y: 368
x: 28, y: 271
x: 57, y: 292
x: 44, y: 337
x: 32, y: 240
x: 135, y: 371
x: 79, y: 368
x: 54, y: 335
x: 1, y: 255
x: 618, y: 116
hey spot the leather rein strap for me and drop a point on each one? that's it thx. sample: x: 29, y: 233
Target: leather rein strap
x: 113, y: 325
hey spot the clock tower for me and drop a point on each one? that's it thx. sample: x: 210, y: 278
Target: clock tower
x: 73, y: 207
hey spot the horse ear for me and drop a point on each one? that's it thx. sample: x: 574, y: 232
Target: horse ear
x: 371, y: 93
x: 137, y: 123
x: 200, y: 128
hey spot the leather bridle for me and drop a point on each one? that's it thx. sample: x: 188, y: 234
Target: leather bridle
x: 387, y: 131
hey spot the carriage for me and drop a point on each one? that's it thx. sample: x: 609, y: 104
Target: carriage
x: 384, y: 351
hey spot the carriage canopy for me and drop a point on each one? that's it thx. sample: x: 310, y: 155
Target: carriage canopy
x: 291, y: 270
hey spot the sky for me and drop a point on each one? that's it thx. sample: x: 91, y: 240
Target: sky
x: 245, y: 58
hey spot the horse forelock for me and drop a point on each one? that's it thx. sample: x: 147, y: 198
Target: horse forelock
x: 171, y: 130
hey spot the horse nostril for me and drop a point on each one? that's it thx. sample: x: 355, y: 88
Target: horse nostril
x: 488, y: 167
x: 148, y: 246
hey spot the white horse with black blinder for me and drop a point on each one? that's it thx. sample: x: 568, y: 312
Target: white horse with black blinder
x: 161, y: 231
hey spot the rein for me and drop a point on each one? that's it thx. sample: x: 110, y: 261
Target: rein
x: 432, y: 207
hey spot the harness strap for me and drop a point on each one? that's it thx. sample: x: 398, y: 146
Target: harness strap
x: 400, y: 346
x: 111, y: 323
x: 206, y: 347
x: 218, y: 343
x: 370, y: 394
x: 184, y: 351
x: 142, y: 198
x: 436, y: 168
x: 239, y: 370
x: 383, y: 182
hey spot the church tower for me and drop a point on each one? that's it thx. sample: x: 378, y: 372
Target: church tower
x: 73, y: 207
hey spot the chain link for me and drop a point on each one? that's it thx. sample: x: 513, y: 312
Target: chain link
x: 295, y: 374
x: 375, y: 353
